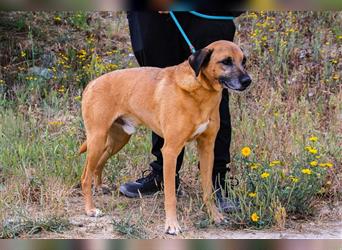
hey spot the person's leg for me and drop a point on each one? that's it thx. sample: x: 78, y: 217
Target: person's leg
x: 153, y: 36
x: 212, y: 31
x: 222, y: 143
x: 222, y: 157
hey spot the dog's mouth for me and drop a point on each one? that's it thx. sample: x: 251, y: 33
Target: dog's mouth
x: 235, y: 84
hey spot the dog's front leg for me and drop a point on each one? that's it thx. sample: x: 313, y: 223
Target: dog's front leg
x: 205, y: 145
x: 170, y: 153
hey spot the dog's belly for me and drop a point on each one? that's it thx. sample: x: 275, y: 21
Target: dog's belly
x: 129, y: 124
x: 129, y: 127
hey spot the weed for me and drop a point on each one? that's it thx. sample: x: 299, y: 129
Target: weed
x: 27, y: 226
x: 129, y: 229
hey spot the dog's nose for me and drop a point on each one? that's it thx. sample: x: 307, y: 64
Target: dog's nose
x: 245, y: 80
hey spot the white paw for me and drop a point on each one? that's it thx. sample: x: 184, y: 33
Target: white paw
x: 172, y: 227
x: 95, y: 213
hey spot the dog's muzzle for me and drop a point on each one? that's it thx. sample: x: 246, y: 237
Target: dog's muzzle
x: 238, y: 84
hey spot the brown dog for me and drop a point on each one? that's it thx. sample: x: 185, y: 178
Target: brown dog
x: 179, y: 103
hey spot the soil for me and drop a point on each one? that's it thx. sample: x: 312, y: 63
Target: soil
x: 83, y: 227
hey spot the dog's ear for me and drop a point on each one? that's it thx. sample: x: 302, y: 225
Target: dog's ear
x: 199, y: 59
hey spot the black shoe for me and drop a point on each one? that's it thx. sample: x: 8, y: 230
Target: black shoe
x: 225, y: 204
x: 150, y: 184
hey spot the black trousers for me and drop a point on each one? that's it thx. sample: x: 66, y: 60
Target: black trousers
x: 157, y: 42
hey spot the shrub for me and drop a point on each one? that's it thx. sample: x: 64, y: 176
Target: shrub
x: 268, y: 191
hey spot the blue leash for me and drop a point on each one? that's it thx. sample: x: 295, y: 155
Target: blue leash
x: 192, y: 48
x: 211, y: 17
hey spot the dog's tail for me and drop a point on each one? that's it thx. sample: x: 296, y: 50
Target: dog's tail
x: 83, y: 148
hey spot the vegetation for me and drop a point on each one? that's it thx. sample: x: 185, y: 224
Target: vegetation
x: 29, y: 227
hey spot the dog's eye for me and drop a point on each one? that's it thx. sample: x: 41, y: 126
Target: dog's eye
x: 228, y: 61
x: 244, y: 61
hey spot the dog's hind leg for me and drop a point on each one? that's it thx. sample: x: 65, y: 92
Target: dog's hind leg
x: 96, y: 148
x: 116, y: 140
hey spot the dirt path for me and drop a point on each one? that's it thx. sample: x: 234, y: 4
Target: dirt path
x: 102, y: 228
x: 327, y: 230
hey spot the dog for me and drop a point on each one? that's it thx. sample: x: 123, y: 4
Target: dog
x: 179, y: 103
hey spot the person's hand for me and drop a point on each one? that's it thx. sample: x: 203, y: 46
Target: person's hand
x: 163, y: 12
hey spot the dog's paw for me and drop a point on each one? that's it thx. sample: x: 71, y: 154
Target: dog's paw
x: 94, y: 213
x: 217, y: 217
x: 172, y: 227
x: 221, y: 222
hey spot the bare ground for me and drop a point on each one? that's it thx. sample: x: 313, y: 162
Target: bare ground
x: 327, y: 225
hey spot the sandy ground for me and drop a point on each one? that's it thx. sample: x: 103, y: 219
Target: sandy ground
x: 83, y: 227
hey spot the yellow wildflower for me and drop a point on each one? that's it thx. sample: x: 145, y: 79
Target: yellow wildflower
x: 313, y: 163
x: 252, y: 194
x: 329, y: 165
x: 61, y: 89
x: 246, y: 151
x: 58, y: 18
x: 335, y: 77
x: 313, y: 138
x: 253, y: 15
x: 2, y: 81
x: 294, y: 179
x: 255, y: 165
x: 23, y: 53
x: 77, y: 98
x: 322, y: 190
x: 56, y: 123
x: 255, y: 217
x: 274, y: 163
x: 306, y: 171
x: 265, y: 175
x: 313, y: 151
x: 83, y: 52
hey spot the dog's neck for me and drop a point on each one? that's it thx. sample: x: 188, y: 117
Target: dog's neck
x: 195, y: 86
x: 188, y: 80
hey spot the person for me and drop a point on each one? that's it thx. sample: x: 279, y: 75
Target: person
x: 157, y: 42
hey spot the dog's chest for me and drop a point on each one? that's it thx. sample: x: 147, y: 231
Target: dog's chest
x: 201, y: 128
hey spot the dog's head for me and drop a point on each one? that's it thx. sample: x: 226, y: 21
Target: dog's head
x: 222, y: 64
